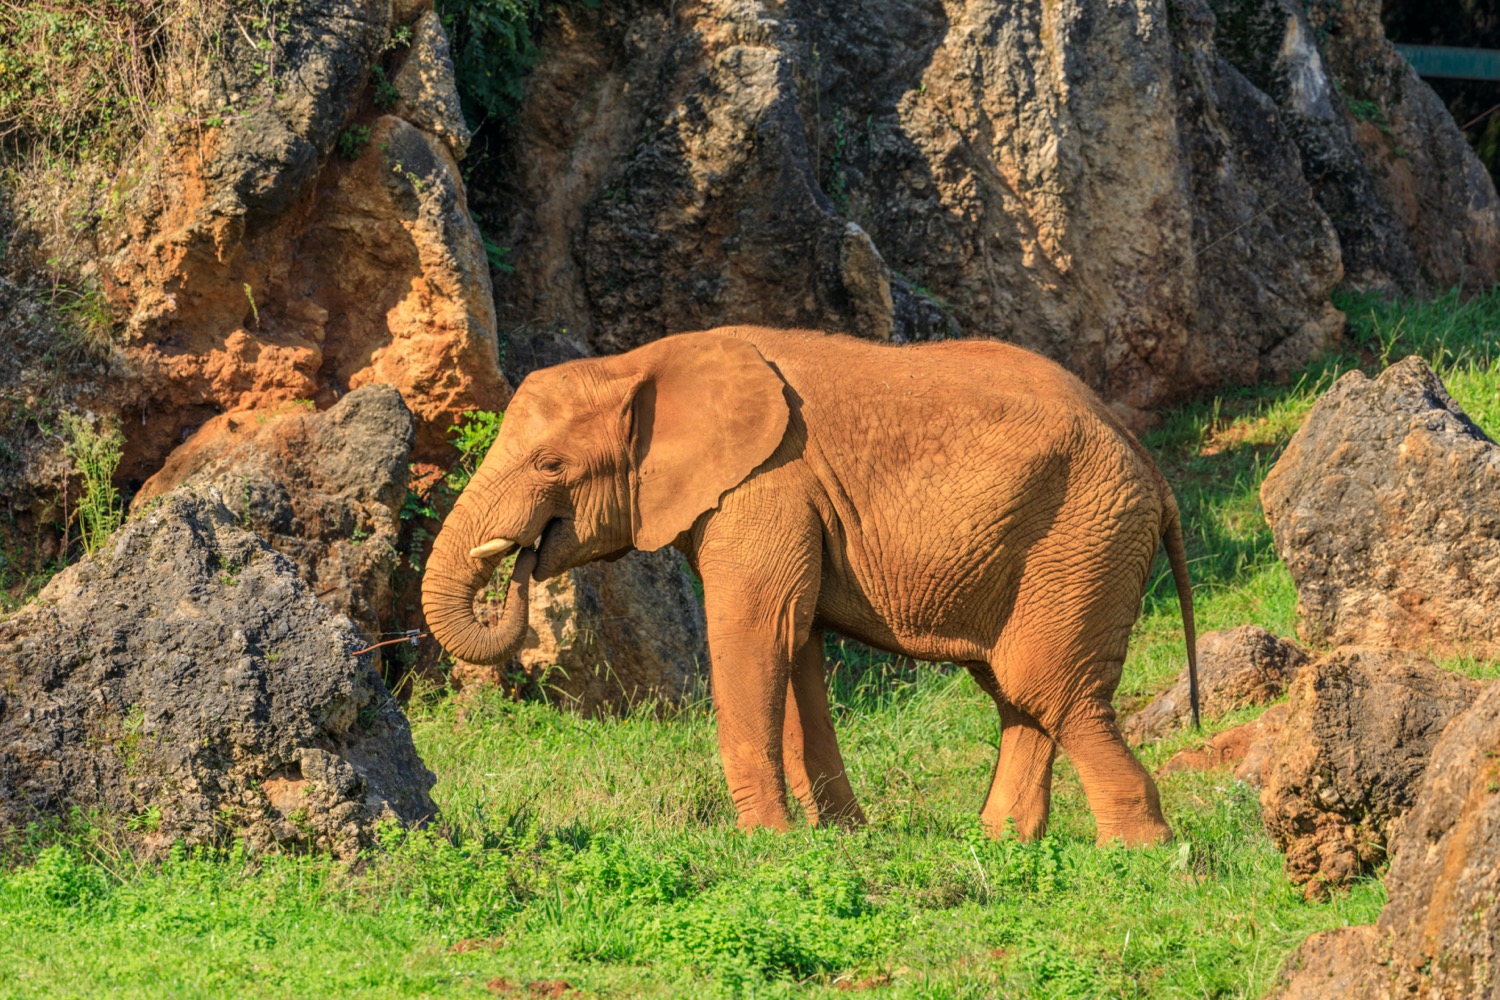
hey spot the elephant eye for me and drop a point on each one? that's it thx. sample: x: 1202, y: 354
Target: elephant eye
x: 550, y: 465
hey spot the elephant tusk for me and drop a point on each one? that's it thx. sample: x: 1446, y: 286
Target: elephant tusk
x: 491, y: 548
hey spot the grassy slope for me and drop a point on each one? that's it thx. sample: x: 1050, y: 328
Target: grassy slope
x: 603, y: 852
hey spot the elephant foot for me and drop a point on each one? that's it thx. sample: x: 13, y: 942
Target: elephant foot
x: 1145, y: 832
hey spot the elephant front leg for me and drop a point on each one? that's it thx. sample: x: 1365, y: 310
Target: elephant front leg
x: 760, y: 565
x: 749, y: 677
x: 810, y: 748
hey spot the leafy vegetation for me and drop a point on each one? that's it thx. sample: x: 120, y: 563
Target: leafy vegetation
x: 492, y: 46
x: 426, y: 504
x: 603, y: 851
x: 95, y: 450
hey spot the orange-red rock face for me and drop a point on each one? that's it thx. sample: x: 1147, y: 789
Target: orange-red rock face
x: 266, y: 260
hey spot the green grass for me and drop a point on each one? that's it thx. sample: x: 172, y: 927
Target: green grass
x: 603, y: 852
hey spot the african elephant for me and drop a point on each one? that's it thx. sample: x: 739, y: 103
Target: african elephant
x: 964, y: 501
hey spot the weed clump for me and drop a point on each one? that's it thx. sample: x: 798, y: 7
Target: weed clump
x: 95, y: 451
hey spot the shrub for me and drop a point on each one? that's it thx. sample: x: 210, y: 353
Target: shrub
x: 95, y: 453
x: 492, y: 47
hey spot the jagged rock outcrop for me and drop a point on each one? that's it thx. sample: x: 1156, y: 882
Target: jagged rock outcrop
x: 1360, y: 726
x: 1385, y: 507
x: 295, y: 240
x: 1237, y: 667
x: 1443, y: 915
x: 1414, y: 208
x: 1439, y: 934
x: 322, y: 488
x: 1073, y: 177
x: 185, y: 675
x: 608, y: 636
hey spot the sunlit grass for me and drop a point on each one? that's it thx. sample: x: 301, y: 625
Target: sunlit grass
x: 604, y: 853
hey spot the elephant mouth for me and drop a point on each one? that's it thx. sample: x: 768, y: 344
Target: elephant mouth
x: 501, y: 548
x: 546, y: 547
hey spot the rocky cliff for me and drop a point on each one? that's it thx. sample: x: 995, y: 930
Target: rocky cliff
x: 1159, y: 195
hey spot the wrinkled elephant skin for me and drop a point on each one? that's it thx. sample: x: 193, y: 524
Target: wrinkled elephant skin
x: 964, y: 501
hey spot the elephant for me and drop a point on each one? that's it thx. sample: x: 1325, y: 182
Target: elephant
x: 964, y: 501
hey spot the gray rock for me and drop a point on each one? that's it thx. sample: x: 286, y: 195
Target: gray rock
x: 1360, y: 726
x: 1239, y: 667
x: 323, y: 488
x: 185, y: 673
x: 1385, y: 506
x: 429, y: 96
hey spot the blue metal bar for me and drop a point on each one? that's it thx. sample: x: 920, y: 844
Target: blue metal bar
x: 1452, y: 62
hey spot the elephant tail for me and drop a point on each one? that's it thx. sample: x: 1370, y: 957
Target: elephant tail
x: 1177, y: 556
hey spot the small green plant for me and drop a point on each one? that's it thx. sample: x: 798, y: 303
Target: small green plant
x: 352, y: 141
x: 838, y: 183
x: 412, y: 177
x: 473, y: 437
x: 95, y: 451
x: 250, y: 297
x: 88, y: 323
x: 147, y: 822
x: 400, y: 38
x: 386, y: 95
x: 497, y: 255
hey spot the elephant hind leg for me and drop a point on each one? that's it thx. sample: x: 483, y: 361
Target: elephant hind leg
x: 1121, y: 793
x: 814, y: 766
x: 1021, y: 789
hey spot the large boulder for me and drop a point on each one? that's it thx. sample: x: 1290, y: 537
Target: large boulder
x: 608, y: 636
x: 1236, y: 668
x: 1345, y: 766
x: 1439, y: 934
x: 323, y: 488
x: 1069, y: 176
x: 305, y: 242
x: 1442, y: 920
x: 186, y: 677
x: 1385, y: 507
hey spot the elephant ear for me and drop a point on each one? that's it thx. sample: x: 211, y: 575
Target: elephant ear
x: 706, y: 410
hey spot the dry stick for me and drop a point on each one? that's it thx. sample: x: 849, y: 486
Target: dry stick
x: 391, y: 642
x: 1480, y: 118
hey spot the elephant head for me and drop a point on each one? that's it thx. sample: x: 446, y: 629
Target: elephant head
x: 594, y: 458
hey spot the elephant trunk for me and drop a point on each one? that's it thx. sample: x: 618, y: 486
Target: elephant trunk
x: 449, y: 586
